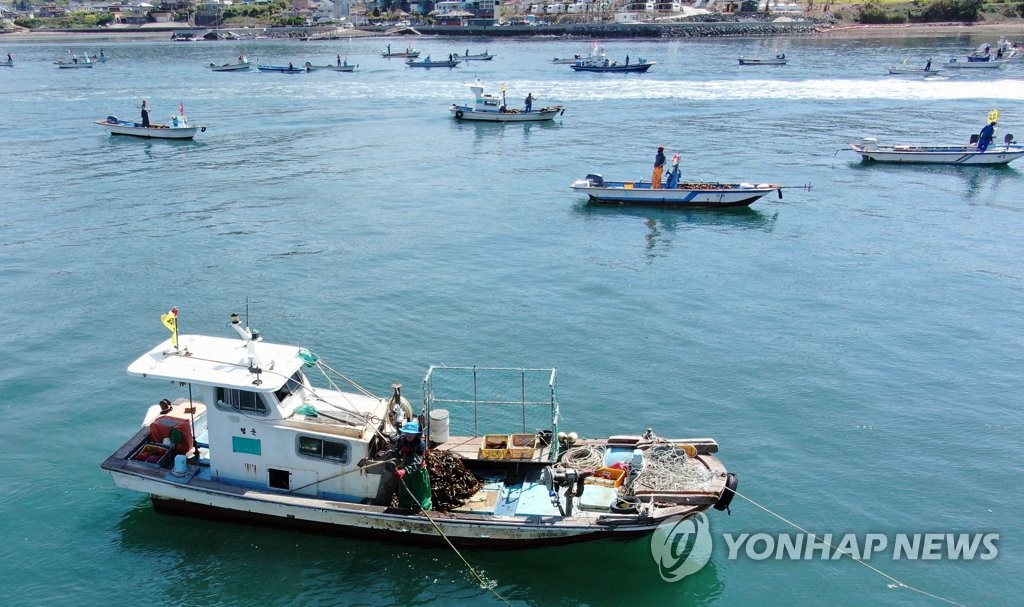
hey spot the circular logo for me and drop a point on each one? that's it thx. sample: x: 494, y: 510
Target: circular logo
x: 681, y: 546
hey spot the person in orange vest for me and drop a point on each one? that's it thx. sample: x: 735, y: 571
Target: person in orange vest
x: 659, y: 166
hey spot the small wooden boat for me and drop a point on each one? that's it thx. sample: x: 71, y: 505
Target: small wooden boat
x: 345, y: 67
x: 491, y: 108
x: 484, y: 56
x: 285, y: 69
x: 779, y: 59
x: 704, y: 195
x: 871, y: 151
x: 241, y: 65
x: 408, y: 53
x: 249, y: 435
x: 70, y: 64
x: 430, y: 63
x: 906, y: 70
x: 178, y: 127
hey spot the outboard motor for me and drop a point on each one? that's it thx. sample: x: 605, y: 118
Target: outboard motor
x: 595, y: 180
x: 554, y: 479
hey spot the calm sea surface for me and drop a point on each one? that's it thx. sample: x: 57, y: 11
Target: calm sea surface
x: 857, y: 349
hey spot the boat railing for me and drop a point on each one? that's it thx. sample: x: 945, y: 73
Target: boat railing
x: 493, y: 399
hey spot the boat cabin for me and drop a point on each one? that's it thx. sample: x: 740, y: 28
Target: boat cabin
x: 257, y: 421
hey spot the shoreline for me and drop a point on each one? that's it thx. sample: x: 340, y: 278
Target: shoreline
x: 1009, y: 29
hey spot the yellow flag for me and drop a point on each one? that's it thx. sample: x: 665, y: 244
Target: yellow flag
x: 993, y: 116
x: 170, y: 321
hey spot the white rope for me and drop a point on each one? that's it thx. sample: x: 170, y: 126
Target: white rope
x: 584, y: 458
x: 895, y: 581
x: 668, y: 468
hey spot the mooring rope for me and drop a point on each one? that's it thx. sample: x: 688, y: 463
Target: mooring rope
x: 483, y: 583
x: 895, y: 581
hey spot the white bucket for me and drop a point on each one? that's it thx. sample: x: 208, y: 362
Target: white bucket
x: 439, y: 426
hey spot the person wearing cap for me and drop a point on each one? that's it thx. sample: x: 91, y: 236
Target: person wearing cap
x: 411, y: 469
x: 659, y: 166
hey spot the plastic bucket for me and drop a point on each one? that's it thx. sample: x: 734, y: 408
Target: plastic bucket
x: 439, y: 426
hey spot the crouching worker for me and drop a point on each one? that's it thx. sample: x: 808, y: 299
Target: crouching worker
x: 411, y: 469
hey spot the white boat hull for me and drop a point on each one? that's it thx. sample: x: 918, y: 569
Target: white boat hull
x: 151, y: 132
x: 952, y: 154
x: 694, y: 195
x: 229, y: 67
x: 461, y: 112
x: 200, y: 494
x: 914, y: 71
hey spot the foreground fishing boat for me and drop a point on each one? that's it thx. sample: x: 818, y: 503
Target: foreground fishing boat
x: 178, y: 127
x: 703, y: 194
x: 779, y: 59
x: 253, y: 438
x: 871, y: 150
x: 491, y: 108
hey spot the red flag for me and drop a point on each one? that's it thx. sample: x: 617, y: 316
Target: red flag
x: 181, y: 107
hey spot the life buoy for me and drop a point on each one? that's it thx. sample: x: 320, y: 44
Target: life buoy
x: 459, y: 114
x: 627, y: 504
x: 780, y: 56
x: 731, y: 482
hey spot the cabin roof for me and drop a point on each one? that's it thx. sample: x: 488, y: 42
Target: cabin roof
x: 218, y: 361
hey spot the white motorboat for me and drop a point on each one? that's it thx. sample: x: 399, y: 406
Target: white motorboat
x: 871, y: 150
x: 973, y: 63
x: 253, y: 438
x: 491, y: 108
x: 241, y: 65
x: 177, y: 127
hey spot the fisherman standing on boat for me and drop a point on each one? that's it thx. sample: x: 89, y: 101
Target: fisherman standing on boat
x: 659, y: 166
x: 928, y: 65
x: 529, y: 102
x: 985, y: 136
x: 411, y: 469
x: 145, y: 114
x: 339, y: 59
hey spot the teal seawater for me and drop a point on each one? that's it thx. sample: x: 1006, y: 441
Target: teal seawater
x: 856, y: 349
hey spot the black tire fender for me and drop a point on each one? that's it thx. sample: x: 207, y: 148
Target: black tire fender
x: 459, y: 114
x: 627, y: 504
x: 731, y: 482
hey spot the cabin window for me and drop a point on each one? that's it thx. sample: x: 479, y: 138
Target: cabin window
x: 241, y: 400
x: 293, y: 385
x: 332, y: 451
